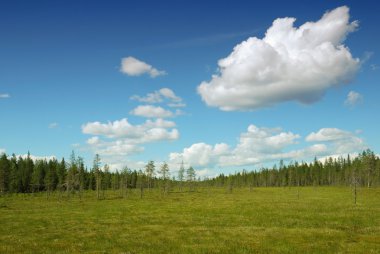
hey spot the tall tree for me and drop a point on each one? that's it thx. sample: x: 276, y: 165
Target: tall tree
x: 190, y: 172
x: 51, y: 179
x: 181, y: 175
x: 149, y: 170
x: 96, y: 168
x: 72, y: 178
x: 4, y: 173
x: 106, y: 182
x: 165, y: 176
x: 61, y: 175
x: 15, y: 184
x: 38, y: 176
x: 26, y: 172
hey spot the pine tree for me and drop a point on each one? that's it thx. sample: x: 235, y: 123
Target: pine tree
x: 4, y: 173
x: 190, y: 172
x: 165, y: 176
x: 181, y: 175
x: 38, y: 176
x: 15, y: 184
x: 51, y: 179
x: 72, y: 179
x: 96, y: 168
x: 61, y: 174
x: 149, y: 170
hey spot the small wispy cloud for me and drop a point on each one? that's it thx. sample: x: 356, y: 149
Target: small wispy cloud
x: 163, y: 95
x: 353, y: 98
x: 374, y: 67
x: 4, y: 95
x: 53, y: 125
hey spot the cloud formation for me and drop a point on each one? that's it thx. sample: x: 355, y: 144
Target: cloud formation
x: 353, y: 98
x: 135, y: 67
x: 288, y: 64
x: 121, y: 138
x: 339, y: 141
x: 260, y: 145
x: 4, y: 95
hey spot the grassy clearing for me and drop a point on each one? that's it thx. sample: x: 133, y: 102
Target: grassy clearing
x: 266, y: 220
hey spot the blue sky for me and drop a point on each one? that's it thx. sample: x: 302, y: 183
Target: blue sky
x: 64, y: 87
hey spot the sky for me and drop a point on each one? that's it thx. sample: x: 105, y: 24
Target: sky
x: 220, y: 86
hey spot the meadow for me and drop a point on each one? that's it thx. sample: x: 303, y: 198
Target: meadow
x: 207, y: 220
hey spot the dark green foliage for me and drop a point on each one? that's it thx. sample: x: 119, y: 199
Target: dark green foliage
x: 4, y: 174
x: 25, y: 175
x: 332, y: 172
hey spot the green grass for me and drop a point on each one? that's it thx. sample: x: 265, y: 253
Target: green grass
x: 266, y: 220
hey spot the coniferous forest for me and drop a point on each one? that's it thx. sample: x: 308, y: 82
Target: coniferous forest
x: 24, y: 175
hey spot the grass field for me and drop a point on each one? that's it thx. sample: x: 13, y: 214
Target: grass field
x: 265, y: 220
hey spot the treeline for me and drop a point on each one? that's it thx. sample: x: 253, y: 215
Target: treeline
x: 363, y: 170
x: 24, y: 175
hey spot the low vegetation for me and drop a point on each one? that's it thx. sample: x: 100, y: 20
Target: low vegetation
x: 318, y: 207
x: 206, y: 220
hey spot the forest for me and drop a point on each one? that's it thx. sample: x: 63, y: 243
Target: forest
x: 24, y: 175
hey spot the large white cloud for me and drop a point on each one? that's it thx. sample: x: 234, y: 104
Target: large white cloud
x: 260, y: 145
x: 135, y: 67
x: 288, y: 64
x: 151, y: 112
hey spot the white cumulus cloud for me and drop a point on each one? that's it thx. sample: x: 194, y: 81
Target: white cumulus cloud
x: 200, y: 154
x: 288, y: 64
x: 328, y: 134
x: 143, y: 133
x: 339, y: 141
x: 151, y: 112
x: 117, y: 139
x: 135, y: 67
x: 260, y: 145
x: 353, y: 98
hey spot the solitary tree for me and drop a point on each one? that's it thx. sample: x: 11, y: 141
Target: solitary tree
x: 164, y: 172
x: 149, y: 170
x: 96, y: 168
x: 181, y: 175
x: 190, y: 172
x: 124, y: 182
